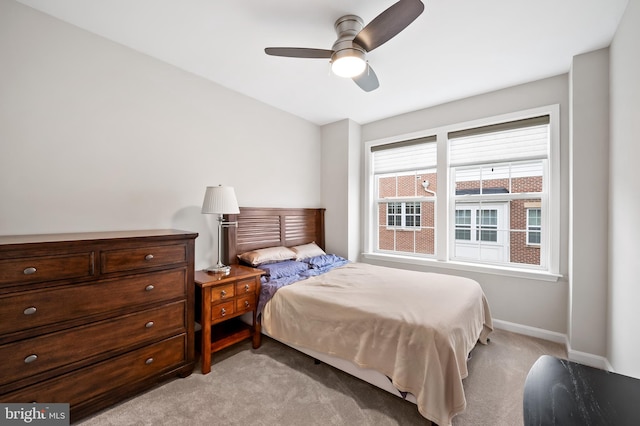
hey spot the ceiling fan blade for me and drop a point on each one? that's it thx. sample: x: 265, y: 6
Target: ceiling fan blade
x: 388, y: 24
x: 368, y: 80
x: 298, y: 52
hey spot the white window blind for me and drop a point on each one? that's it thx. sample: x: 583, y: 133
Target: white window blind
x: 415, y: 154
x: 518, y: 140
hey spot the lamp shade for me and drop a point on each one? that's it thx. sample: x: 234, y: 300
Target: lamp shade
x: 348, y: 63
x: 220, y: 200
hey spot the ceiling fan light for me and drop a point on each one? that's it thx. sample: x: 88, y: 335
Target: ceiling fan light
x: 348, y: 63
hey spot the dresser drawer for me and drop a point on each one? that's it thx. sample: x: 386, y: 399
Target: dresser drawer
x: 246, y: 303
x: 36, y: 355
x: 222, y: 293
x: 122, y: 371
x: 142, y: 257
x: 221, y: 311
x: 246, y: 286
x: 43, y: 307
x: 47, y: 268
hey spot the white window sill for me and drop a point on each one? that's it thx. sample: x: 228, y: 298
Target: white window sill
x: 461, y: 266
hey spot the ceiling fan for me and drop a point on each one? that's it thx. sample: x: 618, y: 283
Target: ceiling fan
x: 347, y: 55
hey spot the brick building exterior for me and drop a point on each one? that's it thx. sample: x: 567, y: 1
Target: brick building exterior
x: 421, y: 240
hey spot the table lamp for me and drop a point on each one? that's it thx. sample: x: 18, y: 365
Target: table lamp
x: 220, y: 200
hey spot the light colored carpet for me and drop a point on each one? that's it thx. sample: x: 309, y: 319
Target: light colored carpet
x: 276, y: 385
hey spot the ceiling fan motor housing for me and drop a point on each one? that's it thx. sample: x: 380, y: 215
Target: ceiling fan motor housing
x: 347, y: 27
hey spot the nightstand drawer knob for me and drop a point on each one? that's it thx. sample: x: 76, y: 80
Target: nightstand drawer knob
x: 246, y: 304
x: 148, y: 257
x: 149, y: 287
x: 149, y: 324
x: 223, y: 293
x: 246, y: 287
x: 149, y: 361
x: 223, y: 312
x: 30, y: 358
x: 30, y: 310
x: 29, y: 271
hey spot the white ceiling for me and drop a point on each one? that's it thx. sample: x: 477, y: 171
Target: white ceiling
x: 455, y: 49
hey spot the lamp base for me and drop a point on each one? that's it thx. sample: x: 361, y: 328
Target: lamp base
x: 219, y: 269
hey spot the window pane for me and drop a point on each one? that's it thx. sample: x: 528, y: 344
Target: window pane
x: 463, y: 217
x: 495, y: 179
x: 534, y: 226
x: 526, y: 177
x: 501, y: 178
x: 534, y: 238
x: 463, y: 234
x: 463, y: 225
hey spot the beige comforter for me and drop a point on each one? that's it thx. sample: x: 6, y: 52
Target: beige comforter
x: 416, y: 328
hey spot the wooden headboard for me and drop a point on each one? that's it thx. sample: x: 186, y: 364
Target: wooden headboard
x: 261, y: 227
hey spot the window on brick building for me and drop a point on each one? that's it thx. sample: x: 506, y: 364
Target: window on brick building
x: 403, y: 215
x: 496, y: 202
x: 405, y: 182
x: 534, y: 226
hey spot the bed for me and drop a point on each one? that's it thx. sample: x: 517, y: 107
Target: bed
x: 407, y: 332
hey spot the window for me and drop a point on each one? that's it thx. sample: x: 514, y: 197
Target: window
x: 403, y: 215
x: 478, y: 224
x: 405, y: 182
x: 534, y: 226
x: 491, y: 184
x: 463, y: 224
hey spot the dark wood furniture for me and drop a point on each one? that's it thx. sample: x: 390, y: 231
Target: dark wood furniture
x: 223, y: 298
x: 90, y: 319
x: 565, y: 393
x: 261, y: 227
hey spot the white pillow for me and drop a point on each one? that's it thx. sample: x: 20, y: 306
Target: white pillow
x: 267, y: 255
x: 306, y: 251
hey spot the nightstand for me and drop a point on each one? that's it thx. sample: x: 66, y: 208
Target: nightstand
x: 220, y: 301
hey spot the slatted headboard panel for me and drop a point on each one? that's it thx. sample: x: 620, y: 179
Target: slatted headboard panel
x: 260, y: 227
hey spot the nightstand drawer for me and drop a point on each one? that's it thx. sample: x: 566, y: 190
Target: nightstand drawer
x: 119, y: 372
x: 42, y: 307
x: 246, y: 286
x: 143, y: 257
x: 36, y: 355
x: 222, y: 293
x: 49, y: 268
x: 221, y: 311
x: 246, y: 303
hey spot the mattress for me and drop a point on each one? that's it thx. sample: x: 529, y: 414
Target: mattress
x: 416, y: 328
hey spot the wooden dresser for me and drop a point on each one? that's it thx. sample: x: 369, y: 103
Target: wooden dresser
x: 90, y: 319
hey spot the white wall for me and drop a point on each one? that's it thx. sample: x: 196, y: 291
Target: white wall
x: 589, y: 196
x: 95, y: 136
x: 341, y: 186
x: 624, y: 190
x: 532, y: 303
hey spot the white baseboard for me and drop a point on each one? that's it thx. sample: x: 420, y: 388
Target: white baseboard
x: 586, y: 358
x: 526, y: 330
x: 553, y: 336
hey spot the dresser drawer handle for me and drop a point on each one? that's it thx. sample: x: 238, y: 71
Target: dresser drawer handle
x: 246, y: 304
x: 29, y: 271
x: 148, y: 257
x: 30, y: 358
x: 246, y: 287
x: 149, y: 287
x: 149, y: 324
x: 30, y: 310
x: 223, y: 293
x: 223, y: 312
x: 149, y: 361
